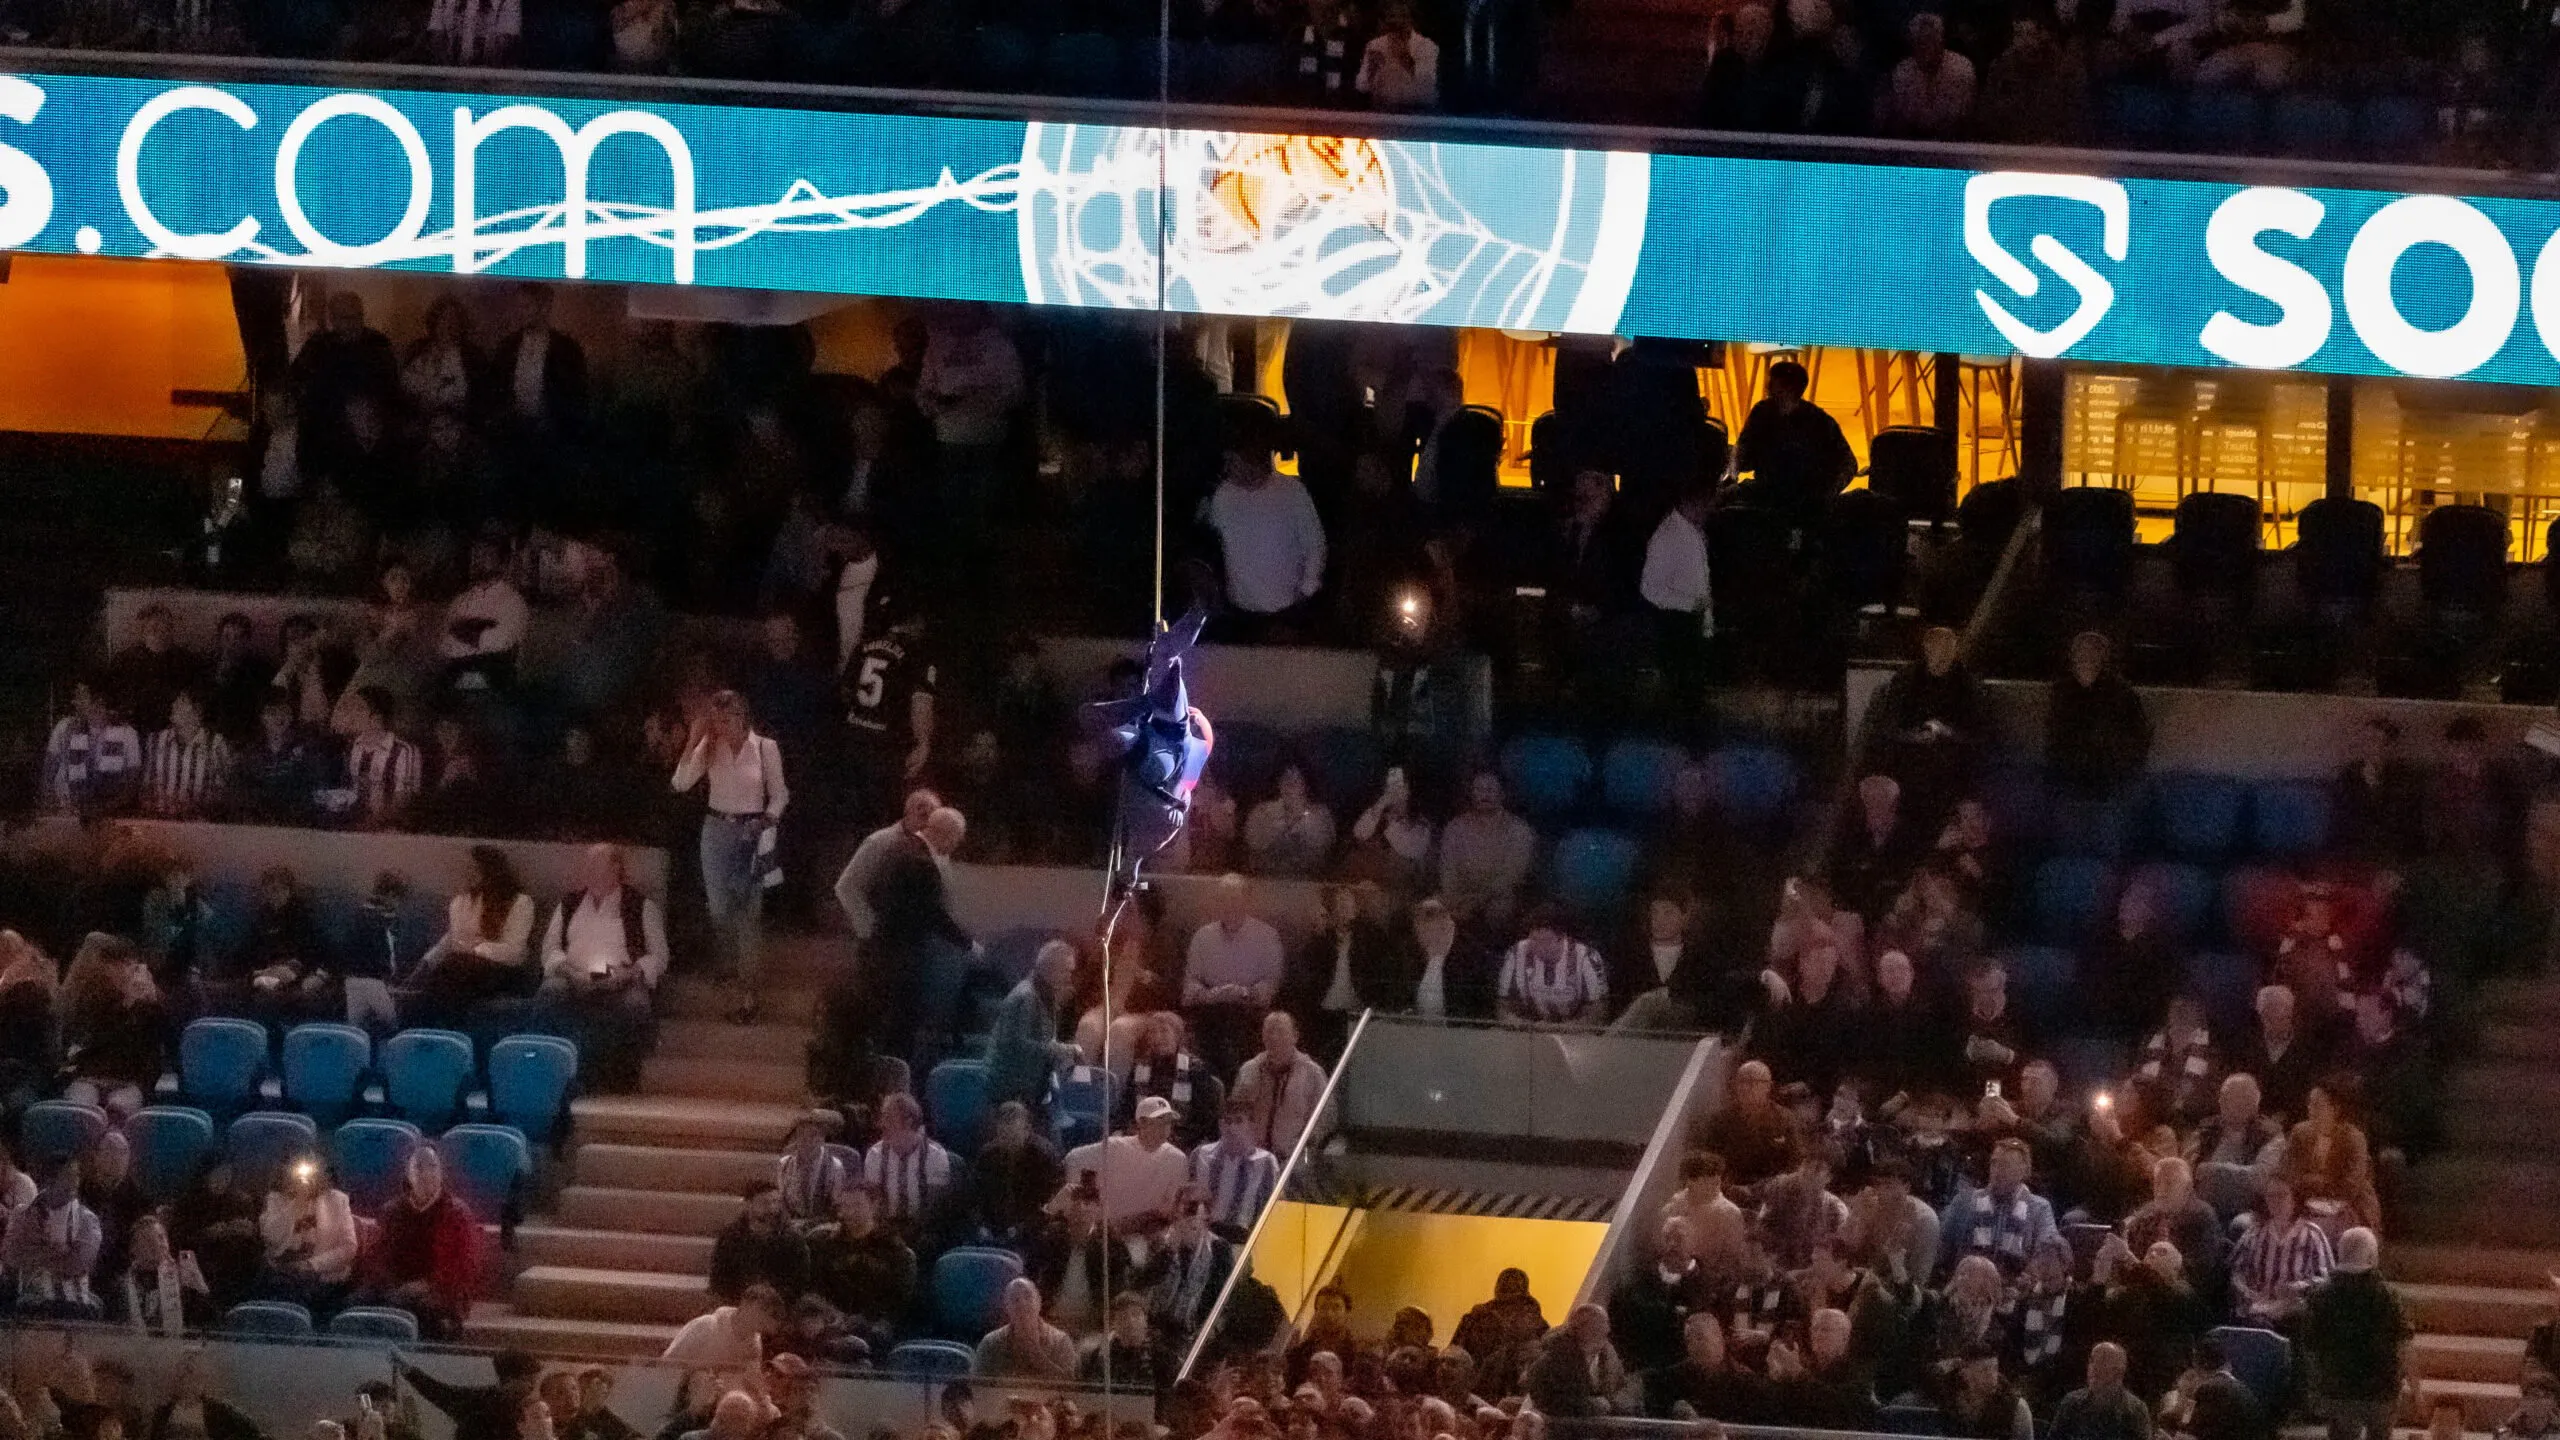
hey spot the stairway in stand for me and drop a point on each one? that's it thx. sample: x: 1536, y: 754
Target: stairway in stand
x: 2479, y: 1229
x: 622, y: 1256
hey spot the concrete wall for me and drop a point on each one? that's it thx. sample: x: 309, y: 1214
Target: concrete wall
x: 347, y: 861
x: 1505, y: 1081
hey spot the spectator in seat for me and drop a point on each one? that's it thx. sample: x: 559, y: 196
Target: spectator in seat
x: 862, y: 1268
x: 1026, y: 1348
x: 1501, y: 1333
x: 93, y: 759
x: 1124, y: 1356
x: 728, y: 1338
x: 50, y: 1247
x: 1872, y: 861
x: 741, y: 773
x: 383, y: 770
x: 2150, y: 1309
x: 2378, y: 799
x: 2236, y: 1147
x: 1794, y: 447
x: 601, y: 963
x: 1074, y: 1258
x: 1161, y: 1063
x: 1326, y: 44
x: 1650, y: 1312
x: 186, y: 768
x: 1981, y: 1404
x: 808, y: 1175
x: 309, y: 1231
x: 235, y: 679
x: 1186, y: 1271
x: 1141, y: 1175
x: 2037, y: 1116
x: 486, y: 951
x: 1704, y: 1383
x: 217, y: 1222
x: 1550, y: 978
x: 1798, y: 1212
x: 281, y: 768
x: 159, y: 1291
x: 1024, y: 1052
x: 911, y: 1169
x: 1391, y: 840
x: 1930, y: 95
x: 2096, y: 734
x: 1232, y: 975
x: 2103, y: 1409
x: 1400, y: 68
x: 114, y: 1027
x: 760, y: 1247
x: 1756, y: 1135
x: 2328, y: 1162
x: 2003, y: 1219
x: 1346, y: 967
x: 1014, y: 1177
x: 2354, y: 1339
x: 1292, y: 833
x: 1903, y: 1038
x: 2136, y: 968
x: 1992, y: 1044
x: 1712, y: 1225
x: 145, y: 676
x: 1891, y: 1230
x: 2037, y: 91
x: 1235, y: 1173
x: 1485, y: 857
x: 2286, y: 1054
x: 284, y: 966
x: 2174, y: 1213
x: 1751, y: 84
x: 2211, y: 1403
x: 193, y: 1409
x: 2279, y: 1259
x: 484, y: 625
x: 1929, y: 718
x: 1931, y: 921
x: 1811, y: 1034
x: 426, y: 1258
x: 543, y: 370
x: 1270, y: 540
x: 2253, y: 43
x: 2178, y: 1074
x: 1281, y: 1084
x: 1577, y: 1371
x: 1449, y: 978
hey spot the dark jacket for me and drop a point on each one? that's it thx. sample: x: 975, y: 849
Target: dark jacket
x: 2225, y: 1409
x: 2352, y: 1330
x: 1046, y: 1256
x: 1379, y: 979
x: 564, y: 380
x: 873, y: 1278
x: 1163, y: 1282
x: 913, y: 904
x: 740, y: 1258
x: 2096, y: 737
x: 221, y: 1422
x: 1558, y: 1382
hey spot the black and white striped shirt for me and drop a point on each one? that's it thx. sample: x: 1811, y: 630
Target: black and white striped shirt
x: 909, y: 1182
x: 185, y: 774
x: 384, y: 771
x: 1238, y: 1179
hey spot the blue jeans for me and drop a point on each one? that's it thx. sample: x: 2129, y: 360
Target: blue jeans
x: 733, y: 892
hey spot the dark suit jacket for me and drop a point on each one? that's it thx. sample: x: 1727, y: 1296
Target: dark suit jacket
x: 1466, y: 978
x: 913, y: 904
x: 564, y: 380
x: 1045, y: 1258
x: 1379, y: 978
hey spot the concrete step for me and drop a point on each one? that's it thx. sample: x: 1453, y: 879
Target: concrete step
x: 2526, y: 1083
x: 2523, y: 1002
x: 2474, y: 1198
x: 736, y: 1078
x: 653, y: 1167
x: 498, y: 1327
x: 2486, y: 1405
x: 626, y: 1297
x: 2475, y: 1309
x: 784, y: 1002
x: 674, y: 1120
x: 2517, y: 1040
x: 2516, y: 1269
x: 720, y: 1040
x: 542, y: 1244
x: 655, y: 1212
x: 2517, y: 1127
x: 2488, y: 1359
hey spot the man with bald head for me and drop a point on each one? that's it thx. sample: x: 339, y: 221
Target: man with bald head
x: 2355, y: 1338
x: 2103, y: 1409
x: 1026, y: 1347
x: 1753, y: 1132
x: 602, y: 959
x: 919, y: 950
x: 1577, y: 1374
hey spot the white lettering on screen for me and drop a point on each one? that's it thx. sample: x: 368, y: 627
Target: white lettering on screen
x: 2302, y: 304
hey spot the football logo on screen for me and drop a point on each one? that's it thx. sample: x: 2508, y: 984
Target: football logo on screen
x: 2096, y: 293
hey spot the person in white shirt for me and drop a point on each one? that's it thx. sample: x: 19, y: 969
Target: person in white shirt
x: 485, y: 952
x: 475, y: 32
x: 1270, y: 538
x: 729, y: 1340
x: 484, y: 624
x: 384, y: 772
x: 1141, y: 1175
x: 1436, y: 992
x: 1674, y: 586
x: 93, y: 760
x: 742, y: 772
x: 1400, y: 70
x: 1231, y: 974
x: 51, y: 1245
x: 601, y: 962
x: 1931, y: 92
x: 309, y: 1231
x: 1282, y: 1084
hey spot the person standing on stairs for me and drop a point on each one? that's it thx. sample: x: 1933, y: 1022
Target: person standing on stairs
x: 2355, y: 1342
x: 742, y: 773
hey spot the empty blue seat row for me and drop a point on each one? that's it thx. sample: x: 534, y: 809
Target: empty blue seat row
x: 1344, y: 764
x: 1549, y: 777
x: 427, y: 1075
x: 2186, y: 815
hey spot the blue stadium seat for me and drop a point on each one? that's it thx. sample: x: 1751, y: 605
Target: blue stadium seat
x: 2138, y: 116
x: 968, y: 1288
x: 2222, y: 121
x: 2087, y: 1062
x: 374, y: 1322
x: 1544, y: 775
x: 2080, y: 825
x: 259, y: 1143
x: 53, y: 1131
x: 371, y: 1157
x: 2289, y: 819
x: 2396, y: 128
x: 2186, y: 899
x: 1751, y: 784
x: 324, y: 1070
x: 1920, y: 1420
x: 955, y: 1103
x: 220, y: 1062
x: 2041, y: 978
x: 2073, y: 897
x: 1594, y: 870
x: 2016, y: 798
x: 272, y: 1319
x: 2199, y: 815
x: 531, y: 1078
x: 426, y: 1074
x: 2315, y: 126
x: 930, y: 1360
x: 1081, y: 1110
x: 1345, y: 766
x: 487, y: 1165
x: 1636, y: 778
x: 2263, y: 1360
x: 1010, y: 952
x: 170, y: 1143
x: 2227, y: 986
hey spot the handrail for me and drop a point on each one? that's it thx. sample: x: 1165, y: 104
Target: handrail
x: 1668, y: 139
x: 1669, y: 1136
x: 1279, y: 1188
